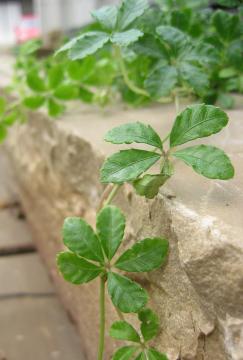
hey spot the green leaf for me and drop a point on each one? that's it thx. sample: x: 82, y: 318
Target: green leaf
x: 149, y: 324
x: 235, y: 54
x: 141, y: 356
x: 149, y: 46
x: 226, y: 24
x: 208, y: 161
x: 124, y: 353
x: 226, y: 101
x: 88, y: 44
x: 126, y: 38
x: 126, y: 295
x: 54, y: 108
x: 129, y: 11
x: 75, y: 269
x: 86, y: 95
x: 161, y: 81
x: 195, y: 76
x: 3, y: 133
x: 34, y: 102
x: 35, y: 82
x: 227, y: 73
x: 127, y: 165
x: 197, y: 121
x: 228, y: 3
x: 106, y: 16
x: 174, y: 38
x: 55, y: 76
x: 30, y: 47
x: 134, y: 133
x: 66, y: 92
x: 203, y: 54
x: 110, y: 227
x: 10, y: 119
x: 2, y: 105
x: 145, y: 255
x: 153, y: 354
x: 80, y: 238
x: 122, y: 330
x: 149, y: 185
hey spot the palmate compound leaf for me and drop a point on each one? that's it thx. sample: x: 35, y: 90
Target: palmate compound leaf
x: 110, y: 226
x: 197, y: 121
x: 208, y: 161
x: 226, y: 24
x: 129, y: 11
x: 149, y: 324
x: 106, y: 16
x: 136, y: 132
x: 127, y: 165
x: 75, y: 269
x: 161, y: 81
x: 80, y: 238
x: 124, y: 353
x: 126, y: 295
x: 126, y: 38
x: 145, y: 255
x: 122, y: 330
x: 149, y: 185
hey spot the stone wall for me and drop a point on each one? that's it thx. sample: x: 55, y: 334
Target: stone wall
x: 198, y: 294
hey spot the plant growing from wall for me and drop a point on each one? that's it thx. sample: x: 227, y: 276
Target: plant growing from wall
x: 91, y: 252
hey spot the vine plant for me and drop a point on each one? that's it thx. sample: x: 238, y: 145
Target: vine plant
x: 91, y: 252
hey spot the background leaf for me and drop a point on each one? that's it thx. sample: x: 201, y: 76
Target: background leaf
x: 80, y: 238
x: 149, y: 324
x: 35, y: 82
x: 195, y: 76
x: 197, y: 121
x: 160, y: 82
x: 88, y: 44
x: 2, y: 105
x: 127, y: 165
x: 122, y: 330
x: 129, y: 11
x: 106, y: 16
x: 173, y: 37
x: 126, y: 38
x: 34, y: 102
x: 75, y: 269
x: 126, y: 294
x: 208, y: 161
x: 55, y: 76
x: 3, y: 133
x: 134, y: 133
x: 110, y: 227
x: 145, y: 255
x: 54, y: 108
x: 124, y: 353
x: 66, y: 92
x: 149, y: 185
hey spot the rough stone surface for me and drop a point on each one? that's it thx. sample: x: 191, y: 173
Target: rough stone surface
x: 199, y: 292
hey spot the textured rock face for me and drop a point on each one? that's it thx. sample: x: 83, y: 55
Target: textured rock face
x: 199, y: 292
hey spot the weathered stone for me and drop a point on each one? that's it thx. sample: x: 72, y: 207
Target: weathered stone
x: 57, y: 166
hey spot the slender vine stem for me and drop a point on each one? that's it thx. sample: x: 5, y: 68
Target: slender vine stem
x: 123, y: 69
x: 112, y: 194
x: 102, y: 319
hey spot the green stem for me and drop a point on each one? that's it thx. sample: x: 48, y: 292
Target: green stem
x: 102, y: 319
x: 112, y: 194
x: 123, y: 69
x: 120, y: 314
